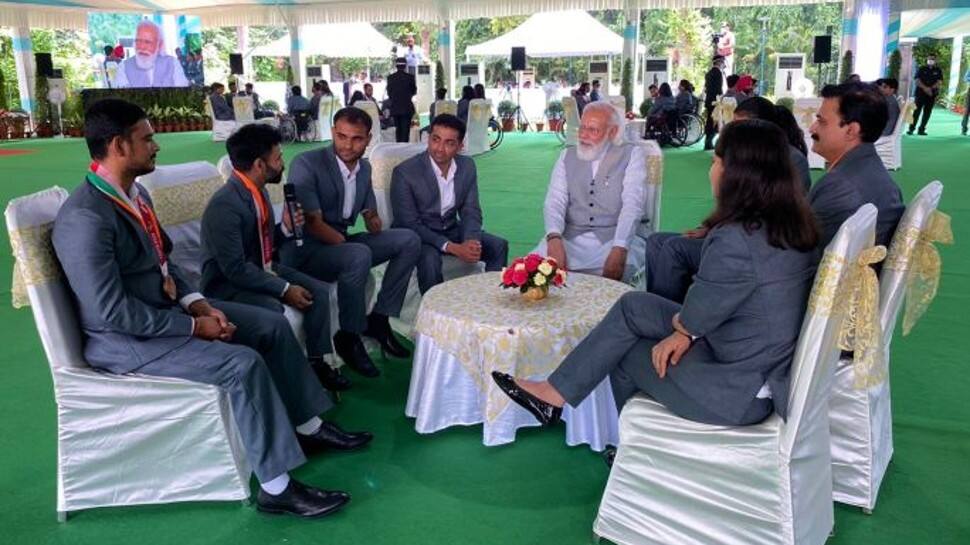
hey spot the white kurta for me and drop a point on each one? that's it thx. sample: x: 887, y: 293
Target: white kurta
x: 585, y: 252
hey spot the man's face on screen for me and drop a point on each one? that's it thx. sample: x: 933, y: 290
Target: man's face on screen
x: 147, y: 42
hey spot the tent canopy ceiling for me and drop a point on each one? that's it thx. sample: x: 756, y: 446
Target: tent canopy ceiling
x: 573, y: 33
x: 215, y: 13
x: 338, y: 40
x: 936, y: 23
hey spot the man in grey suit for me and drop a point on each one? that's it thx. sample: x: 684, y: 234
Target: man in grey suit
x: 221, y: 109
x: 137, y: 314
x: 851, y: 118
x: 333, y: 185
x: 239, y: 233
x: 888, y: 87
x: 435, y: 194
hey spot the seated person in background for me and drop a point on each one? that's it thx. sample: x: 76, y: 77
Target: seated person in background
x: 333, y: 184
x: 233, y: 89
x: 356, y: 97
x: 439, y: 94
x: 467, y: 95
x: 137, y: 314
x: 762, y: 108
x: 654, y: 91
x: 686, y: 101
x: 582, y: 96
x: 732, y: 86
x: 888, y: 88
x: 239, y: 234
x: 315, y: 101
x: 662, y: 106
x: 723, y: 357
x: 296, y: 102
x: 221, y: 109
x: 745, y: 88
x: 369, y: 95
x: 258, y: 111
x: 851, y: 118
x: 435, y: 194
x: 591, y: 223
x: 480, y: 91
x: 150, y: 66
x: 594, y: 93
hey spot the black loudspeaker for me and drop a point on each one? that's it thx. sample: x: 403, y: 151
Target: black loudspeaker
x: 235, y: 64
x: 45, y: 66
x: 518, y: 58
x: 823, y: 50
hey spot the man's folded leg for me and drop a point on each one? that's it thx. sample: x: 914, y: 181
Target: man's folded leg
x: 495, y: 252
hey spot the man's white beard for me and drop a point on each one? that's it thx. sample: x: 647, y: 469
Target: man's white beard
x: 590, y: 153
x: 146, y: 62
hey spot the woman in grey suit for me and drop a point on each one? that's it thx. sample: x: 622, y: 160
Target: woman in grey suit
x: 723, y: 356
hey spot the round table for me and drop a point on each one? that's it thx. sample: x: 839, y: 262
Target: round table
x: 468, y: 327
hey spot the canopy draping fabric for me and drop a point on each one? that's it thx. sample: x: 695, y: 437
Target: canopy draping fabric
x: 573, y: 33
x: 936, y: 23
x: 333, y: 40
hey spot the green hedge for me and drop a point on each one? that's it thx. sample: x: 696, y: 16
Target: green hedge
x: 192, y: 98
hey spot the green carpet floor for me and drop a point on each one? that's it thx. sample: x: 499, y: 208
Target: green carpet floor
x: 447, y: 487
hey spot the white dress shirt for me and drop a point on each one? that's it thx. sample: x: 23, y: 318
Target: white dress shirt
x: 585, y: 252
x: 446, y: 188
x: 413, y: 56
x: 350, y: 186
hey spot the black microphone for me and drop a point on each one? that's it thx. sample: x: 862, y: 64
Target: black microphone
x: 289, y: 193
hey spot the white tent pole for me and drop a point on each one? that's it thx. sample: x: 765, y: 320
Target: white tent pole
x: 23, y: 53
x: 297, y: 57
x: 955, y: 73
x: 242, y: 47
x: 446, y: 52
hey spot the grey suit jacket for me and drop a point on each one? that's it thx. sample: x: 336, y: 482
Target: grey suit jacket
x: 800, y: 162
x: 857, y: 179
x: 232, y: 255
x: 416, y: 201
x: 111, y: 266
x: 221, y: 108
x: 746, y: 304
x: 320, y: 187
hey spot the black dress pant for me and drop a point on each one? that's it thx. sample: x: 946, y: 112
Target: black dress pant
x: 402, y: 128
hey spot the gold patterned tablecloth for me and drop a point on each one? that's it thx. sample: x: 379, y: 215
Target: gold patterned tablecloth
x: 490, y: 329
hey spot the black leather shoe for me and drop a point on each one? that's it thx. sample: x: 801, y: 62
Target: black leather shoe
x: 329, y: 377
x: 609, y: 455
x: 331, y: 437
x: 921, y: 133
x: 379, y: 329
x: 351, y: 349
x: 547, y: 414
x: 301, y: 500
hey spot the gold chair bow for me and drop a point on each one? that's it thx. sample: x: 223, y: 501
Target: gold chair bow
x: 861, y: 330
x: 908, y: 111
x: 924, y: 276
x: 34, y: 261
x: 724, y: 111
x: 805, y: 116
x: 479, y: 111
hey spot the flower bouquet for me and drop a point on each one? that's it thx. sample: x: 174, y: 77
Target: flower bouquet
x: 532, y: 275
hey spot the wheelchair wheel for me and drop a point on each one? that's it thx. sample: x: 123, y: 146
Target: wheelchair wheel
x: 677, y: 135
x: 695, y: 129
x: 495, y: 134
x: 288, y: 130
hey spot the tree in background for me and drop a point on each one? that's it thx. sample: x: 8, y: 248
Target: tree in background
x: 439, y: 77
x: 626, y: 84
x: 847, y: 63
x: 107, y: 28
x: 895, y: 62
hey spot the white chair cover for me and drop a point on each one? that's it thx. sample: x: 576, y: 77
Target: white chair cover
x: 805, y: 110
x: 571, y: 118
x: 445, y: 107
x: 678, y: 481
x: 726, y: 108
x: 384, y: 158
x: 221, y: 129
x: 244, y: 108
x: 861, y: 418
x: 375, y: 130
x: 476, y: 135
x: 328, y: 106
x: 121, y: 439
x: 618, y: 102
x: 890, y: 148
x: 180, y: 194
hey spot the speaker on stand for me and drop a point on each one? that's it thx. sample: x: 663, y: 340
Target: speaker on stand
x: 236, y: 64
x: 518, y: 65
x: 822, y: 54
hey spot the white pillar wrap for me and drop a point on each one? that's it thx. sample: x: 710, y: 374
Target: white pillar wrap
x: 446, y: 53
x: 242, y: 39
x: 864, y: 32
x: 23, y: 54
x: 297, y: 57
x: 906, y: 68
x: 955, y: 73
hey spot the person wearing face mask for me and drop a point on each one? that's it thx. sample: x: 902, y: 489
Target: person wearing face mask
x: 713, y: 87
x: 723, y: 356
x: 150, y: 67
x: 929, y: 79
x: 596, y: 198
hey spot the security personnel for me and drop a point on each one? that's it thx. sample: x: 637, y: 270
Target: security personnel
x: 929, y: 79
x: 713, y: 87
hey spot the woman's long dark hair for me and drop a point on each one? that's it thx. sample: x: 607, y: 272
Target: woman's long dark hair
x: 759, y: 188
x: 786, y: 120
x: 665, y: 90
x: 467, y: 92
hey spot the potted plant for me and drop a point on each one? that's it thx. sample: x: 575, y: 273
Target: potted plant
x: 506, y: 111
x: 17, y: 123
x: 554, y: 113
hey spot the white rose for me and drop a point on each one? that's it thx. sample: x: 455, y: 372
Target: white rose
x: 538, y: 279
x: 545, y: 268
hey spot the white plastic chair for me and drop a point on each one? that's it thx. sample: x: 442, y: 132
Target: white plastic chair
x: 476, y: 135
x: 861, y: 418
x: 804, y: 111
x: 678, y: 481
x: 384, y: 159
x: 890, y: 147
x: 180, y: 194
x: 121, y: 439
x: 221, y: 129
x: 328, y: 106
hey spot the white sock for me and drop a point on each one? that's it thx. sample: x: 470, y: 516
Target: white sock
x: 277, y: 485
x: 310, y: 426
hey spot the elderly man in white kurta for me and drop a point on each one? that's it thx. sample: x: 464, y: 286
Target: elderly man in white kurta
x: 596, y: 198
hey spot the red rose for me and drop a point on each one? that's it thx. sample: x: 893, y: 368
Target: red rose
x: 557, y: 280
x: 532, y: 262
x: 520, y: 277
x: 507, y: 277
x: 516, y: 261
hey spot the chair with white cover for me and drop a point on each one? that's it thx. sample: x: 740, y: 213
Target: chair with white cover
x: 375, y: 129
x: 121, y: 439
x: 618, y: 102
x: 222, y: 129
x: 244, y: 108
x: 678, y: 481
x: 180, y: 194
x: 724, y: 111
x: 804, y: 111
x: 860, y: 414
x: 384, y: 158
x: 476, y: 134
x: 445, y: 107
x: 890, y: 147
x: 571, y: 119
x: 328, y: 106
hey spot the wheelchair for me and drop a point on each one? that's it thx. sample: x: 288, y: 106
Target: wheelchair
x: 674, y: 128
x: 297, y: 127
